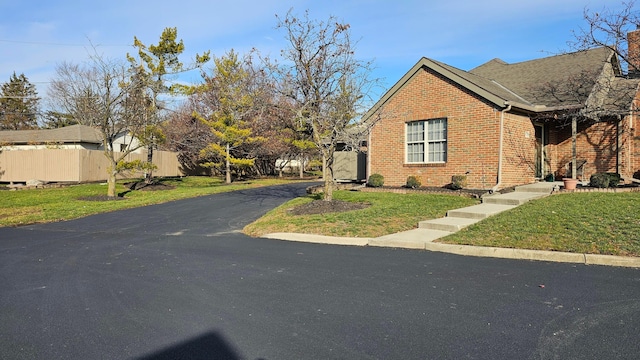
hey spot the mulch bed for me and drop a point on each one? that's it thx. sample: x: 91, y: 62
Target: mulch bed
x: 143, y: 186
x: 138, y: 185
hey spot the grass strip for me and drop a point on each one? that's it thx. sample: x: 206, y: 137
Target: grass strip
x: 591, y: 223
x: 388, y: 213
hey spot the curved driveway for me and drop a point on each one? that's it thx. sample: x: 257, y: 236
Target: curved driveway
x: 179, y: 281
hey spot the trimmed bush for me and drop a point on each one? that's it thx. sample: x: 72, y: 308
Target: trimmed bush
x: 600, y: 180
x: 413, y: 182
x: 375, y: 180
x: 458, y: 182
x: 614, y: 179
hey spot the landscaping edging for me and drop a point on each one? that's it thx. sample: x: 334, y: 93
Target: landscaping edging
x: 590, y: 189
x: 394, y: 190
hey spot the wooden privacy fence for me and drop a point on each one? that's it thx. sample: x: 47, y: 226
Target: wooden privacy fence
x: 74, y: 165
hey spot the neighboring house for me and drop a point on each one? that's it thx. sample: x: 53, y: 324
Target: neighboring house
x: 69, y: 154
x: 69, y: 137
x: 506, y: 124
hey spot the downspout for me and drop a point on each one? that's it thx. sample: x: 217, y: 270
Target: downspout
x: 501, y: 141
x: 368, y: 165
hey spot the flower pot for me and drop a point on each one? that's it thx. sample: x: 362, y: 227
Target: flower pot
x: 570, y: 184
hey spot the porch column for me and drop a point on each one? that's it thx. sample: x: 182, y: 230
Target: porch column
x: 574, y: 153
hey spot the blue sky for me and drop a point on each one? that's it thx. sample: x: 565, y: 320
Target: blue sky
x: 36, y: 35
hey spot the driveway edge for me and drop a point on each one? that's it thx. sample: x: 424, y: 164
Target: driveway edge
x: 466, y: 250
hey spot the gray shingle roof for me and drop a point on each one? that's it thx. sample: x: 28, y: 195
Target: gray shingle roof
x: 68, y: 134
x: 532, y: 80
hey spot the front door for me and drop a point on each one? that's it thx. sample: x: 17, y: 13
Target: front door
x: 541, y: 142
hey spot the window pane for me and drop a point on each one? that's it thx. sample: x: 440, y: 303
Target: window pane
x: 437, y: 152
x: 438, y: 129
x: 415, y: 152
x: 415, y: 131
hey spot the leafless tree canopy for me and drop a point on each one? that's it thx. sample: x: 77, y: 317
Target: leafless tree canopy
x: 609, y: 28
x: 325, y: 81
x: 101, y: 94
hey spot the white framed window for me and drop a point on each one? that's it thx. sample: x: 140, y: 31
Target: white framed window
x: 427, y: 141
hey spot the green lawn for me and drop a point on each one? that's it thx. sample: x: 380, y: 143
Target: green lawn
x: 594, y: 223
x: 55, y: 204
x: 388, y: 213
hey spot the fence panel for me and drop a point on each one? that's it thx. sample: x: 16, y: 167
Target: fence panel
x: 74, y: 165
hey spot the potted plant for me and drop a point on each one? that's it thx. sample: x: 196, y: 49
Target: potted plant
x: 570, y: 183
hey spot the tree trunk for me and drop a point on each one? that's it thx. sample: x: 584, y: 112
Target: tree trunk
x: 111, y: 184
x: 148, y: 176
x: 324, y: 167
x: 228, y: 166
x: 328, y: 184
x: 301, y: 165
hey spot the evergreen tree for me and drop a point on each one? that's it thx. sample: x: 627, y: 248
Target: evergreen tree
x: 18, y: 104
x: 54, y: 119
x: 232, y: 109
x: 149, y: 73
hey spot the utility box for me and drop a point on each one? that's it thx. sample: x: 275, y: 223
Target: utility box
x: 350, y: 166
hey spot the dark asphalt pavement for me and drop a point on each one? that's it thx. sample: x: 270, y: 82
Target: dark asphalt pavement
x: 179, y: 281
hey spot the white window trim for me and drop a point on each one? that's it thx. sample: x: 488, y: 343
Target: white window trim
x: 426, y: 142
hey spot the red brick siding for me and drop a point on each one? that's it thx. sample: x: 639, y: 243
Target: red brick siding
x: 596, y: 143
x: 472, y: 141
x: 519, y: 151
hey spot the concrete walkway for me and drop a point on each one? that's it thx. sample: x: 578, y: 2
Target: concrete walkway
x: 429, y: 230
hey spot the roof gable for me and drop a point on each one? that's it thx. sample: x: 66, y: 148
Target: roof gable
x: 469, y: 81
x: 525, y: 85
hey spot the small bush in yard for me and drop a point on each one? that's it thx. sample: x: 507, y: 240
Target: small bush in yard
x: 600, y: 180
x: 375, y: 180
x: 458, y: 182
x: 413, y: 182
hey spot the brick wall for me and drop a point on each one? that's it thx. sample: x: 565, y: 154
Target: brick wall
x: 605, y: 146
x: 472, y: 142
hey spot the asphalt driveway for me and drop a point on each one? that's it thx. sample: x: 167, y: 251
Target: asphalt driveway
x: 179, y: 281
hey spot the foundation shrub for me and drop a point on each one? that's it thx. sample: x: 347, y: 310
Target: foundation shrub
x: 600, y: 180
x: 413, y: 182
x: 375, y: 180
x: 458, y: 182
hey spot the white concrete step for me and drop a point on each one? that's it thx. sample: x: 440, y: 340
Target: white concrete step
x: 451, y: 224
x: 481, y: 211
x: 512, y: 198
x: 411, y: 239
x: 539, y: 187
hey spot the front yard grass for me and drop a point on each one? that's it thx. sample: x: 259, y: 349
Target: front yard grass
x: 593, y: 223
x: 388, y: 213
x: 55, y: 204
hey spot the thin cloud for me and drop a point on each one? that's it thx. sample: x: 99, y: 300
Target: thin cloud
x: 396, y: 34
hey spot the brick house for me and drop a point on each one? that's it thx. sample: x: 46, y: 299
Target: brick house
x: 506, y: 124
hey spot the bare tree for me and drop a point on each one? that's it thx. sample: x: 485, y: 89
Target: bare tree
x: 187, y: 136
x: 609, y: 28
x: 102, y: 95
x: 328, y: 85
